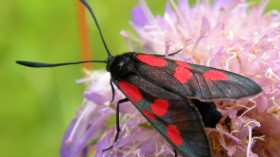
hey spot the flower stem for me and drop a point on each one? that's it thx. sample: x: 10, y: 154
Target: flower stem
x: 83, y: 35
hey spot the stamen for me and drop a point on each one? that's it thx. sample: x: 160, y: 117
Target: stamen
x: 250, y: 140
x: 187, y: 43
x: 180, y: 17
x: 249, y: 109
x: 204, y: 30
x: 234, y: 55
x: 271, y: 75
x: 224, y: 17
x: 259, y: 137
x: 125, y: 34
x: 147, y: 10
x: 168, y: 43
x: 229, y: 135
x: 78, y: 122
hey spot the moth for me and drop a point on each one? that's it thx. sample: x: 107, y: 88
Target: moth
x: 175, y: 97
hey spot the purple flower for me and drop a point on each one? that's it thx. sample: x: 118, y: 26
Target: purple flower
x: 227, y: 34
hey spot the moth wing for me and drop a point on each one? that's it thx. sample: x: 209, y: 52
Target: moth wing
x: 194, y: 81
x: 172, y: 115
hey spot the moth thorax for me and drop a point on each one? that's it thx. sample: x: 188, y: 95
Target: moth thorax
x: 122, y: 66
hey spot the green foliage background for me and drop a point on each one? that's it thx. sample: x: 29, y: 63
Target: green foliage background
x: 36, y: 105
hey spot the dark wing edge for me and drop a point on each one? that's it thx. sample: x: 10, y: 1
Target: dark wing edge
x: 223, y: 84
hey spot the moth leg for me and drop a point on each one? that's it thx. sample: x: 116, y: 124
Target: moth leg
x: 171, y: 54
x: 113, y: 91
x: 118, y: 117
x: 176, y: 52
x: 175, y: 152
x: 117, y: 122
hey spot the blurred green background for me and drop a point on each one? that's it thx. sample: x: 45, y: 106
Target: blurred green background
x: 37, y: 104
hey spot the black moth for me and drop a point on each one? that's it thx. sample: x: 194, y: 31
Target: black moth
x: 175, y: 97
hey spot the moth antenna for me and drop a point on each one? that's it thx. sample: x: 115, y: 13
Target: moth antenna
x: 97, y: 25
x: 45, y: 65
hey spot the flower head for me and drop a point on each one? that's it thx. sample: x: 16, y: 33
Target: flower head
x: 231, y: 35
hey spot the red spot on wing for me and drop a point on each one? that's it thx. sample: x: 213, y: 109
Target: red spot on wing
x: 159, y: 107
x: 131, y: 91
x: 173, y: 135
x: 149, y: 115
x: 186, y: 65
x: 215, y: 75
x: 182, y: 74
x: 152, y: 60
